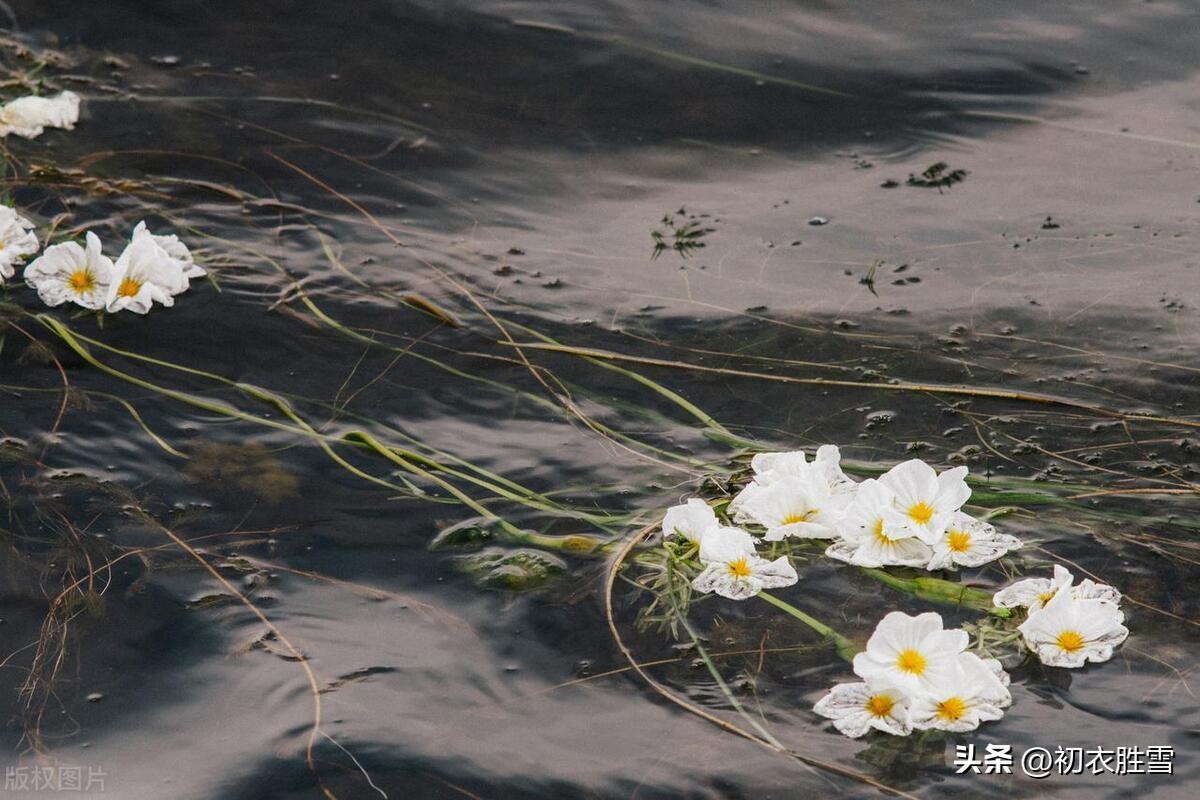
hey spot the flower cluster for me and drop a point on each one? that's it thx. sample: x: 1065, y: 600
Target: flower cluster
x: 1068, y: 624
x: 30, y: 116
x: 910, y: 516
x: 151, y: 269
x: 917, y: 676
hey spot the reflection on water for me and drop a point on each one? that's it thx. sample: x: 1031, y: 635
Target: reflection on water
x: 355, y: 181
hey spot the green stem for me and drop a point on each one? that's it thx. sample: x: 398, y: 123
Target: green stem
x: 711, y: 667
x: 845, y: 648
x: 941, y: 591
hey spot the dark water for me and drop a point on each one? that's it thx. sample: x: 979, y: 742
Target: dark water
x: 506, y: 162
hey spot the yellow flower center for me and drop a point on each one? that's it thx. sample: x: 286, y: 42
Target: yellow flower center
x: 911, y: 661
x: 920, y: 513
x: 739, y: 568
x: 951, y: 708
x: 793, y: 518
x: 129, y: 287
x: 1046, y: 597
x: 82, y: 280
x: 880, y: 705
x: 958, y: 541
x: 880, y: 536
x: 1070, y: 641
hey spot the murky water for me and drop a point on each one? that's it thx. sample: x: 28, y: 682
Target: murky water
x: 355, y: 178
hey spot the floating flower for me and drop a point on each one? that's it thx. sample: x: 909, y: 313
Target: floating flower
x: 1034, y: 593
x: 969, y: 542
x: 927, y: 500
x: 856, y: 708
x: 145, y: 275
x: 914, y: 653
x: 691, y: 520
x: 16, y: 241
x: 174, y: 249
x: 825, y: 467
x: 30, y: 116
x: 67, y: 272
x: 874, y: 533
x: 791, y: 506
x: 968, y: 695
x: 737, y: 574
x: 1068, y: 631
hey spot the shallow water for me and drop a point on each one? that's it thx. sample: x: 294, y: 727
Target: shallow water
x: 506, y: 164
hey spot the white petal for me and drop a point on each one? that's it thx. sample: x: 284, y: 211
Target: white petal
x: 952, y: 490
x: 775, y: 574
x: 1090, y: 590
x: 912, y: 481
x: 843, y: 699
x: 842, y: 551
x: 725, y: 544
x: 717, y: 578
x: 1022, y: 593
x: 690, y: 520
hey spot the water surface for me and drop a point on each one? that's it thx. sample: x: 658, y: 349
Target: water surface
x: 350, y: 174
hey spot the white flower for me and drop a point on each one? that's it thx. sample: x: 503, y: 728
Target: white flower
x: 67, y: 272
x: 16, y: 241
x: 927, y: 500
x: 969, y: 542
x: 914, y: 653
x: 734, y: 573
x: 856, y: 708
x: 1034, y: 593
x: 968, y: 695
x: 825, y: 467
x: 29, y: 116
x: 174, y: 249
x: 691, y: 520
x: 791, y: 506
x: 723, y: 543
x: 874, y: 533
x: 145, y: 275
x: 1068, y: 631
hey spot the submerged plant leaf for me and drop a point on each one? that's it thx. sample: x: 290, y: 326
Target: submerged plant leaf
x: 520, y: 570
x: 12, y: 449
x: 243, y: 468
x: 471, y: 533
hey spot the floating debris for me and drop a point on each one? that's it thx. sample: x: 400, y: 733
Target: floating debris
x: 685, y: 232
x: 938, y: 176
x: 868, y: 280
